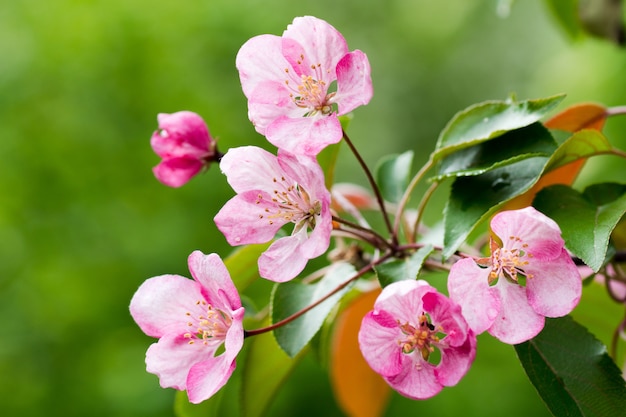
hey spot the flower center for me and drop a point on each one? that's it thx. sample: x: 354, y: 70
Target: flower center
x: 421, y: 337
x: 510, y: 262
x: 290, y: 203
x: 210, y: 327
x: 310, y: 92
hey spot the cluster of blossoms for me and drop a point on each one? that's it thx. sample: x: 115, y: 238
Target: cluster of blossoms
x: 418, y: 339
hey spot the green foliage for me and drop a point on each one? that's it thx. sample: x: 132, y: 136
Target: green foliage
x: 586, y: 219
x: 266, y: 368
x: 474, y: 199
x: 510, y: 147
x: 290, y: 297
x: 576, y: 378
x: 392, y: 175
x: 488, y: 120
x: 400, y: 269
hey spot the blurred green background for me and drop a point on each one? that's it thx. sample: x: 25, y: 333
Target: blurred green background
x: 83, y: 222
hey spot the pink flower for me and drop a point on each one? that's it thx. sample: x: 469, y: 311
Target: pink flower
x: 417, y: 339
x: 184, y: 143
x: 192, y: 319
x: 273, y: 191
x: 287, y: 81
x: 528, y: 277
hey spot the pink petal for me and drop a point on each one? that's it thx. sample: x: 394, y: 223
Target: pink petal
x: 354, y: 82
x: 517, y: 322
x: 269, y: 101
x: 416, y: 381
x: 322, y: 43
x: 183, y: 134
x: 304, y: 135
x: 446, y: 314
x: 468, y: 286
x: 240, y: 223
x: 403, y: 299
x: 260, y: 59
x: 250, y: 168
x: 456, y: 361
x: 176, y: 172
x: 318, y: 240
x: 207, y: 377
x: 377, y: 341
x: 211, y: 273
x: 283, y: 260
x: 556, y: 286
x: 541, y: 233
x: 172, y: 358
x: 160, y: 304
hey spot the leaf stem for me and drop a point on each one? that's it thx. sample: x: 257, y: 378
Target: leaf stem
x: 377, y: 241
x: 407, y: 194
x: 286, y: 320
x: 373, y: 184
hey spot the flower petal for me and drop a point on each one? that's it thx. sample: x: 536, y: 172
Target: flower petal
x: 172, y: 357
x: 176, y: 172
x: 556, y: 286
x: 283, y: 260
x: 160, y: 304
x: 517, y: 322
x: 182, y: 134
x: 250, y: 168
x: 468, y: 286
x: 456, y: 361
x: 304, y: 135
x: 321, y: 42
x: 260, y: 59
x: 240, y: 222
x: 218, y: 288
x: 539, y: 232
x: 354, y: 82
x: 377, y: 341
x: 207, y: 377
x: 416, y: 381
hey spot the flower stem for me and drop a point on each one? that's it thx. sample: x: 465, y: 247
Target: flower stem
x: 286, y: 320
x: 373, y: 184
x: 407, y: 194
x: 377, y: 240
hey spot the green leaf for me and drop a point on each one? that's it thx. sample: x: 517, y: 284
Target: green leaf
x: 512, y: 146
x: 392, y: 175
x: 474, y: 199
x: 586, y: 220
x: 489, y: 120
x: 566, y: 13
x: 572, y: 372
x: 266, y: 368
x: 291, y: 297
x: 401, y: 269
x: 582, y: 144
x: 242, y: 264
x: 208, y: 408
x: 327, y: 159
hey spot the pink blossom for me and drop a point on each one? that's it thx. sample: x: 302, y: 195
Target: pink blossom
x: 273, y: 191
x: 184, y: 143
x: 287, y: 81
x: 417, y: 339
x: 528, y: 277
x: 192, y: 319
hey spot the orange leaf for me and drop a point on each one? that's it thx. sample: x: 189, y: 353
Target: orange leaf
x: 572, y: 119
x: 360, y: 391
x: 579, y: 117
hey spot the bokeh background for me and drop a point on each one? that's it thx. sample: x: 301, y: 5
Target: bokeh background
x: 83, y: 222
